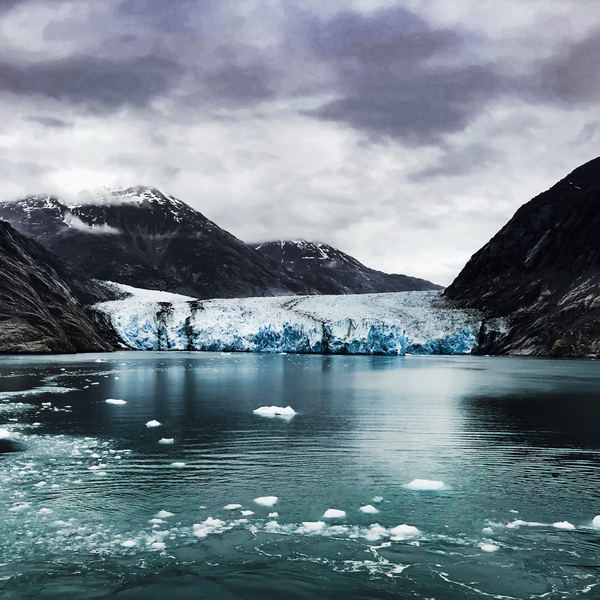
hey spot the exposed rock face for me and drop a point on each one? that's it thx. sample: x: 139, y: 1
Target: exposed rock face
x: 141, y: 237
x: 330, y: 271
x: 542, y: 270
x: 38, y: 311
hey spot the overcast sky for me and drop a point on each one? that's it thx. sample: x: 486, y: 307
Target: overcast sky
x: 404, y: 133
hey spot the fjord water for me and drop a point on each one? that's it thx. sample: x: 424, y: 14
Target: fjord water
x: 515, y: 442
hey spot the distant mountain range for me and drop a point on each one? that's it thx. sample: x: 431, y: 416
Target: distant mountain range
x: 542, y: 271
x: 144, y: 238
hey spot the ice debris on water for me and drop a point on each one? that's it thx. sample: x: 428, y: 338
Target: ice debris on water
x: 115, y: 401
x: 403, y: 531
x: 166, y: 440
x: 128, y: 543
x: 334, y: 513
x: 45, y: 511
x: 266, y: 500
x: 273, y: 515
x: 488, y: 547
x: 178, y: 464
x: 210, y: 525
x: 313, y: 525
x: 424, y: 485
x: 232, y: 506
x: 378, y: 499
x: 596, y: 522
x: 4, y: 433
x: 153, y: 423
x: 369, y: 509
x: 164, y: 514
x: 247, y: 513
x: 563, y: 525
x: 275, y: 411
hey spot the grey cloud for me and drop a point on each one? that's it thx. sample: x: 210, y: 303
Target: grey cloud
x: 247, y: 83
x: 49, y: 121
x: 89, y: 81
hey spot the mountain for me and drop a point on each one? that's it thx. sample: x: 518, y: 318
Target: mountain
x: 331, y: 271
x: 143, y: 238
x: 542, y: 271
x: 39, y: 312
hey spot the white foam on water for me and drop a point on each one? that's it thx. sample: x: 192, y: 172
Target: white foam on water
x: 369, y: 509
x: 424, y: 485
x: 266, y: 500
x: 247, y: 513
x: 166, y: 440
x: 334, y: 513
x: 563, y: 525
x: 275, y: 411
x: 488, y: 547
x: 45, y: 511
x: 164, y: 514
x: 520, y: 523
x: 178, y: 464
x: 232, y: 506
x: 129, y: 543
x: 19, y: 507
x: 115, y: 401
x: 153, y: 423
x: 158, y: 545
x: 4, y: 433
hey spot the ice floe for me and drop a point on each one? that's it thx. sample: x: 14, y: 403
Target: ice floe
x: 403, y: 531
x: 275, y: 411
x: 334, y: 513
x: 369, y: 509
x: 596, y: 521
x: 563, y: 525
x: 247, y: 513
x: 115, y: 401
x: 425, y: 485
x: 488, y: 547
x: 232, y: 506
x: 153, y: 423
x: 164, y: 514
x: 166, y: 440
x: 266, y: 500
x: 378, y: 499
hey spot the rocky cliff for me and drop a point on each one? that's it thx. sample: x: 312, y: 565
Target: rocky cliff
x: 542, y: 271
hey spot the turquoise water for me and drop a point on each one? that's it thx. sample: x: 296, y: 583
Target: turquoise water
x: 515, y: 443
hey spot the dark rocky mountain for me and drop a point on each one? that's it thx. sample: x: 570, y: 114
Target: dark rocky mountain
x: 331, y: 271
x: 542, y: 272
x: 39, y: 310
x: 141, y: 237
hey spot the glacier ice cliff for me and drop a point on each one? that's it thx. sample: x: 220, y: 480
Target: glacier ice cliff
x: 388, y: 323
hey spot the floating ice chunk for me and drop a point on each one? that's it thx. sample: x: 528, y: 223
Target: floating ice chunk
x: 275, y: 411
x: 487, y: 530
x: 378, y: 499
x: 519, y: 522
x: 99, y: 360
x: 45, y: 511
x: 178, y: 464
x: 19, y: 507
x: 596, y: 521
x: 266, y: 500
x: 153, y: 423
x: 156, y: 521
x: 4, y: 433
x: 334, y: 513
x: 95, y: 383
x: 247, y: 513
x: 129, y: 543
x: 424, y: 485
x: 40, y: 484
x: 211, y: 525
x: 404, y: 530
x: 488, y: 547
x: 158, y: 545
x: 163, y: 514
x: 232, y: 506
x: 563, y: 525
x: 313, y: 525
x: 273, y: 514
x: 115, y: 401
x: 369, y: 509
x: 166, y: 440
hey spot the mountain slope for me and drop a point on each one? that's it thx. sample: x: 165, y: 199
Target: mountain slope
x: 542, y: 269
x: 141, y: 237
x: 38, y: 312
x: 331, y: 271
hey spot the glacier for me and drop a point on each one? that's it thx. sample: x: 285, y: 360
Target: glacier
x: 397, y: 323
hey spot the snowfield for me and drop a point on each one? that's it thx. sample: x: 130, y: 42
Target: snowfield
x: 393, y: 323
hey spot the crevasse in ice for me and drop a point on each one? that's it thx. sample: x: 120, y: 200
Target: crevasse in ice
x: 393, y: 323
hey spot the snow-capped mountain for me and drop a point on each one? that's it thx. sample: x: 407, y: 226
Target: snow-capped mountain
x: 141, y: 237
x: 332, y: 271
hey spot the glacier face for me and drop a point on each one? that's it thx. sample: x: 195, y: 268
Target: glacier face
x: 392, y: 323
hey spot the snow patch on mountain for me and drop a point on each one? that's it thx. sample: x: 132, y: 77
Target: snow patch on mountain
x: 391, y: 323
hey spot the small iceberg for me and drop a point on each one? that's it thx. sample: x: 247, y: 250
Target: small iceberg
x: 266, y: 500
x: 369, y: 509
x: 153, y: 423
x: 275, y: 411
x: 166, y: 440
x: 424, y: 485
x: 404, y: 531
x: 333, y: 513
x: 563, y: 525
x: 115, y: 401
